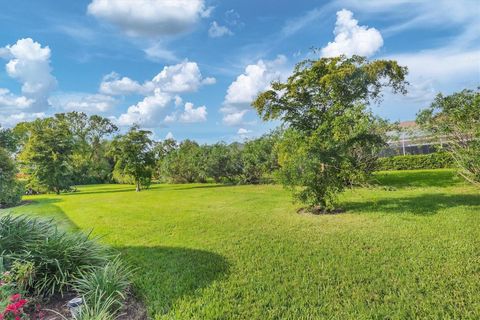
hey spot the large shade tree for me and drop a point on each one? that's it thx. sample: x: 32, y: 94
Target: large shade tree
x: 134, y: 156
x: 47, y: 154
x: 324, y: 105
x: 90, y: 163
x: 455, y: 121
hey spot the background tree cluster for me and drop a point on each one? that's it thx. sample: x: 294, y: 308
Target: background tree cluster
x: 11, y: 189
x: 64, y: 150
x: 455, y: 121
x: 251, y: 162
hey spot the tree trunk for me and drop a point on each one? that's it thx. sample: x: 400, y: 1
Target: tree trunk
x: 137, y: 189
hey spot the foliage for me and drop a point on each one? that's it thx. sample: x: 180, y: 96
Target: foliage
x: 111, y: 280
x: 90, y: 162
x: 250, y: 162
x: 11, y: 190
x: 224, y: 162
x: 185, y: 163
x: 99, y: 307
x: 8, y: 140
x: 57, y: 257
x: 134, y: 156
x: 331, y: 130
x: 259, y: 158
x: 14, y: 310
x: 412, y: 238
x: 47, y: 154
x: 456, y: 118
x: 437, y: 160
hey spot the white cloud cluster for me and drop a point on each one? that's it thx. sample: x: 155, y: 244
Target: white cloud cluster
x: 351, y: 39
x: 243, y: 133
x: 241, y: 92
x: 113, y: 85
x: 150, y: 18
x: 29, y: 64
x: 11, y: 102
x: 182, y: 77
x: 217, y: 31
x: 192, y: 114
x: 147, y: 111
x: 85, y: 102
x: 160, y: 92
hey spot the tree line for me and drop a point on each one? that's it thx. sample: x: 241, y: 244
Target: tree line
x: 329, y: 139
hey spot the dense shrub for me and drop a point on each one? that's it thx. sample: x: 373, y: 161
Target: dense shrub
x: 112, y: 280
x: 436, y: 160
x: 58, y: 257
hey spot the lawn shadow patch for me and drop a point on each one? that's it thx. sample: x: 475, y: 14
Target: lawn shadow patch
x: 44, y: 208
x: 423, y: 204
x: 167, y: 274
x: 206, y: 186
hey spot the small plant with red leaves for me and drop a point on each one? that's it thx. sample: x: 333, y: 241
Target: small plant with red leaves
x: 14, y: 310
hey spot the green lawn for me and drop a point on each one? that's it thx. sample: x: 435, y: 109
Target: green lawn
x: 409, y: 248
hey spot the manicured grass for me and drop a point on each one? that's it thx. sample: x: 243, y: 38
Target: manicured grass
x: 409, y: 248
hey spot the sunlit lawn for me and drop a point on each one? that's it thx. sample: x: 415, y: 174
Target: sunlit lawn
x: 407, y: 249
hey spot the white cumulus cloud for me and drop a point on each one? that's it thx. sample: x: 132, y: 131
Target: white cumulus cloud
x: 192, y: 114
x: 241, y: 92
x: 216, y: 30
x: 11, y: 102
x: 147, y: 111
x: 162, y: 90
x: 113, y: 85
x: 85, y: 102
x: 150, y: 18
x: 181, y: 77
x: 352, y: 39
x: 29, y: 63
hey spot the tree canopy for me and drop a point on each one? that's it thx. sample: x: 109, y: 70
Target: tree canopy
x: 134, y: 156
x: 324, y: 106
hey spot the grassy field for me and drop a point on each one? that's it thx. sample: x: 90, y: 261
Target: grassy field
x: 409, y: 248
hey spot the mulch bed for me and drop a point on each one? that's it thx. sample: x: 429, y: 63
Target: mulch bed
x: 133, y: 308
x: 319, y: 211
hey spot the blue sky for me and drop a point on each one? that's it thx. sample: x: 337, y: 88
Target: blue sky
x: 189, y: 68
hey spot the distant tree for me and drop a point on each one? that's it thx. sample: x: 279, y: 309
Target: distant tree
x: 90, y: 161
x: 259, y: 158
x: 47, y: 154
x: 224, y: 162
x: 11, y: 189
x: 8, y: 140
x: 324, y: 106
x: 186, y: 163
x: 455, y: 120
x: 134, y: 156
x: 162, y: 149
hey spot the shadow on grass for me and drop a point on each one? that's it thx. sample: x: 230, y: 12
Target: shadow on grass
x: 206, y: 186
x: 44, y: 208
x: 166, y: 274
x: 106, y: 190
x: 416, y: 178
x: 423, y: 204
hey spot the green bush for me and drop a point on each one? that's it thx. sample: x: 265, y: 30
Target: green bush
x: 436, y: 160
x: 111, y: 280
x: 57, y: 257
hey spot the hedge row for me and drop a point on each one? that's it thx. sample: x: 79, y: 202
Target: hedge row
x: 436, y: 160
